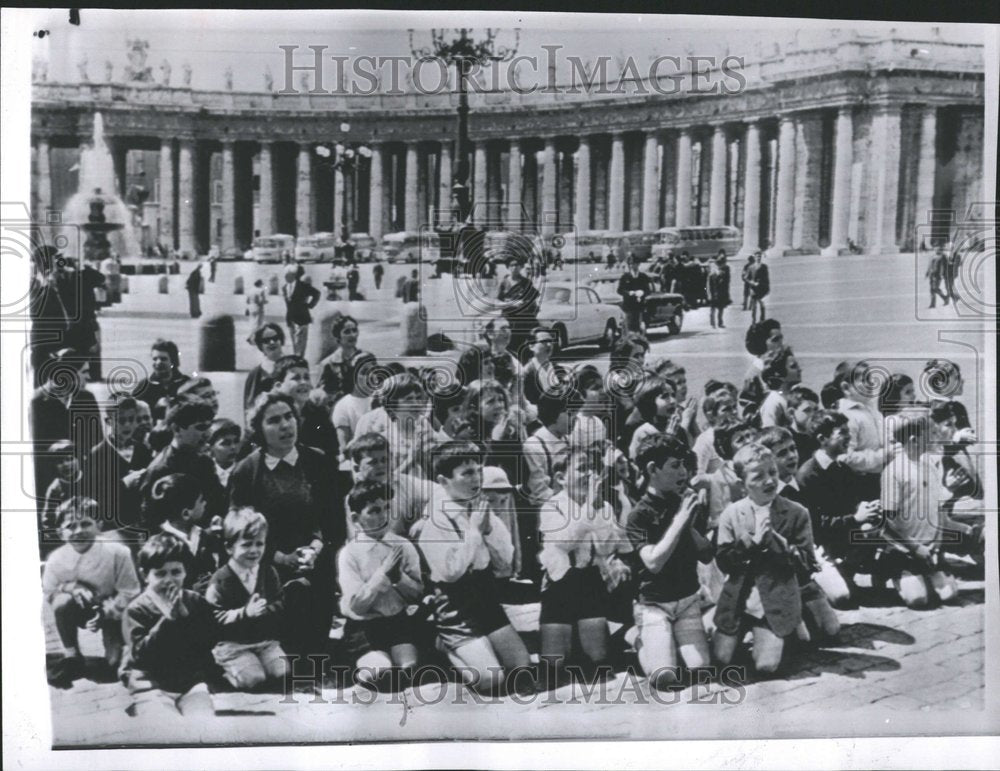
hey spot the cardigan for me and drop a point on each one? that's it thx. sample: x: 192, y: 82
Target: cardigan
x: 228, y: 596
x: 165, y: 653
x: 773, y: 566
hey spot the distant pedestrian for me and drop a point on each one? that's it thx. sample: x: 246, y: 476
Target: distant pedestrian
x: 952, y: 266
x: 300, y: 298
x: 256, y: 301
x: 718, y: 292
x: 760, y: 287
x: 353, y: 279
x: 194, y: 290
x: 213, y: 262
x: 936, y: 272
x: 377, y: 273
x: 745, y: 275
x: 411, y: 289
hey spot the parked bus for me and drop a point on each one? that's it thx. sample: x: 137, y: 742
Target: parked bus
x: 319, y: 247
x: 273, y: 248
x: 588, y: 246
x: 698, y: 241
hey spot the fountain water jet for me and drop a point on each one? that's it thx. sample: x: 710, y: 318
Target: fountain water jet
x: 97, y: 174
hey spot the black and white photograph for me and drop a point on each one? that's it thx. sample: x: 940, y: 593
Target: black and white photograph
x: 376, y: 385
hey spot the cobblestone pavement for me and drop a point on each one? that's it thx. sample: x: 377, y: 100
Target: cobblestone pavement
x: 893, y: 670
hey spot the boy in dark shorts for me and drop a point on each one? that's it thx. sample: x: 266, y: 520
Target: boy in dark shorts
x: 379, y: 575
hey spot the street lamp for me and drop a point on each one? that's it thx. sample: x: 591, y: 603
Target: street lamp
x: 457, y: 46
x: 346, y: 160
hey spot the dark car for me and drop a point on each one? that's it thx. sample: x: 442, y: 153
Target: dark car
x: 661, y: 309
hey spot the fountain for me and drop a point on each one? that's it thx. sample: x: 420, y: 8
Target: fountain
x: 97, y: 173
x: 96, y: 246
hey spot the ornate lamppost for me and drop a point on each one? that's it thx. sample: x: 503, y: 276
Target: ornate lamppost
x: 339, y: 158
x: 458, y: 47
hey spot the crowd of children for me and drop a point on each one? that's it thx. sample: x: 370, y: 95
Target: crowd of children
x: 385, y: 517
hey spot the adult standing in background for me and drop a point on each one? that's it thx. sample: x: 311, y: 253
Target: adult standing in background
x: 952, y: 266
x: 300, y: 298
x: 760, y: 287
x: 936, y: 272
x: 194, y: 289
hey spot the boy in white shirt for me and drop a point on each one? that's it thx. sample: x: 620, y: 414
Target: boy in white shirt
x: 379, y: 575
x: 465, y: 545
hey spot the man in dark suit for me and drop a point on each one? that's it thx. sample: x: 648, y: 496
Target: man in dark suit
x: 634, y: 287
x: 300, y: 297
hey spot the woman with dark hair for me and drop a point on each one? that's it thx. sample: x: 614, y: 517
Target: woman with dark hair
x: 344, y: 332
x: 268, y: 339
x: 291, y: 485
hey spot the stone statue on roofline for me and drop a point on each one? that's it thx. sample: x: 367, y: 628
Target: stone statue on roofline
x: 137, y: 71
x: 268, y: 79
x: 109, y: 71
x: 165, y: 70
x: 229, y: 78
x: 186, y: 70
x: 81, y: 67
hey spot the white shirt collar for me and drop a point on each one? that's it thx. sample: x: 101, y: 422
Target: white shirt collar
x: 793, y: 483
x: 291, y: 459
x: 191, y: 539
x: 159, y: 602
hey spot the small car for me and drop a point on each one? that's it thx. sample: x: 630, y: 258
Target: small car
x: 661, y: 309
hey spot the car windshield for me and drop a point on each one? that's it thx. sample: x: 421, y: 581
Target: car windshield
x: 557, y: 294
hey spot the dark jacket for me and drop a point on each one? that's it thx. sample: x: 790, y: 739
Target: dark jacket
x: 299, y: 302
x: 772, y: 566
x: 171, y: 460
x: 832, y: 496
x: 629, y: 283
x: 171, y: 654
x: 104, y: 472
x: 228, y: 597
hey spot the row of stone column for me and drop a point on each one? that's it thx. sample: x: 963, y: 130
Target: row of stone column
x: 561, y: 186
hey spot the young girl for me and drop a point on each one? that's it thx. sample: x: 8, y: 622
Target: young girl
x: 717, y: 288
x: 579, y: 536
x: 177, y: 506
x: 656, y: 404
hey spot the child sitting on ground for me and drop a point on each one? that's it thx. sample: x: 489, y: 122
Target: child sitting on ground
x: 662, y: 528
x: 88, y: 582
x: 248, y: 600
x: 834, y: 494
x: 169, y: 632
x: 464, y: 545
x: 579, y: 534
x: 763, y: 544
x: 178, y: 507
x: 379, y: 575
x: 820, y: 617
x: 915, y: 525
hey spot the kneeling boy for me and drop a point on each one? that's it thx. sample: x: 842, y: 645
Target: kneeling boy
x: 379, y: 574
